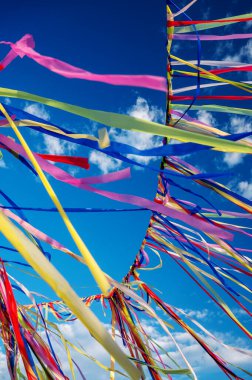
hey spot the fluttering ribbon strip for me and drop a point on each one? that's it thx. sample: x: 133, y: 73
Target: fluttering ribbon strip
x: 207, y: 85
x: 233, y: 69
x: 131, y: 123
x: 205, y: 62
x: 209, y: 24
x: 25, y: 47
x: 192, y: 37
x: 196, y: 22
x: 210, y: 97
x: 217, y: 108
x: 81, y: 162
x: 61, y: 287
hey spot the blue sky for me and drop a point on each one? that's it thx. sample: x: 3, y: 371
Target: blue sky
x: 117, y: 37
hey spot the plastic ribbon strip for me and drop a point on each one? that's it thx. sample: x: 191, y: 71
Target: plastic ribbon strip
x: 25, y: 47
x: 191, y: 37
x: 129, y: 123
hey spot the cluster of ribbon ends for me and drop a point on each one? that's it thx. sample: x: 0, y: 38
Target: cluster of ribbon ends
x: 197, y: 237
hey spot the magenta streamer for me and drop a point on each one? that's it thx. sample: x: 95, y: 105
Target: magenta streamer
x: 25, y: 47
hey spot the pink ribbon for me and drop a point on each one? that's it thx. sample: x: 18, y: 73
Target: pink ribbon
x: 25, y: 47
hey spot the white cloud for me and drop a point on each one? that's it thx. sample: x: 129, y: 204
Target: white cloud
x: 245, y: 189
x: 37, y: 110
x: 239, y: 124
x: 4, y: 374
x: 243, y: 55
x: 198, y: 314
x: 53, y: 145
x: 206, y: 117
x: 7, y: 101
x: 142, y: 110
x: 247, y: 25
x: 105, y: 163
x: 175, y: 47
x: 233, y: 159
x: 200, y: 361
x: 223, y: 46
x: 206, y: 13
x: 3, y: 164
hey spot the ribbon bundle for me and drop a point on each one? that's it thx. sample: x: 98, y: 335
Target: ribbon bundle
x: 195, y: 236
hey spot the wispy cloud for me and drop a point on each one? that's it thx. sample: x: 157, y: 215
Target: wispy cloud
x: 143, y: 110
x: 7, y: 101
x: 233, y: 159
x: 4, y: 374
x: 37, y: 110
x: 244, y: 54
x: 53, y: 145
x: 245, y: 189
x: 3, y: 164
x: 239, y: 124
x: 236, y: 124
x: 200, y: 361
x: 198, y: 314
x: 105, y: 163
x: 248, y: 25
x: 206, y: 117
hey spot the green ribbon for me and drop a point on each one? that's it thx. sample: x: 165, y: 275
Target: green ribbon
x: 133, y: 124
